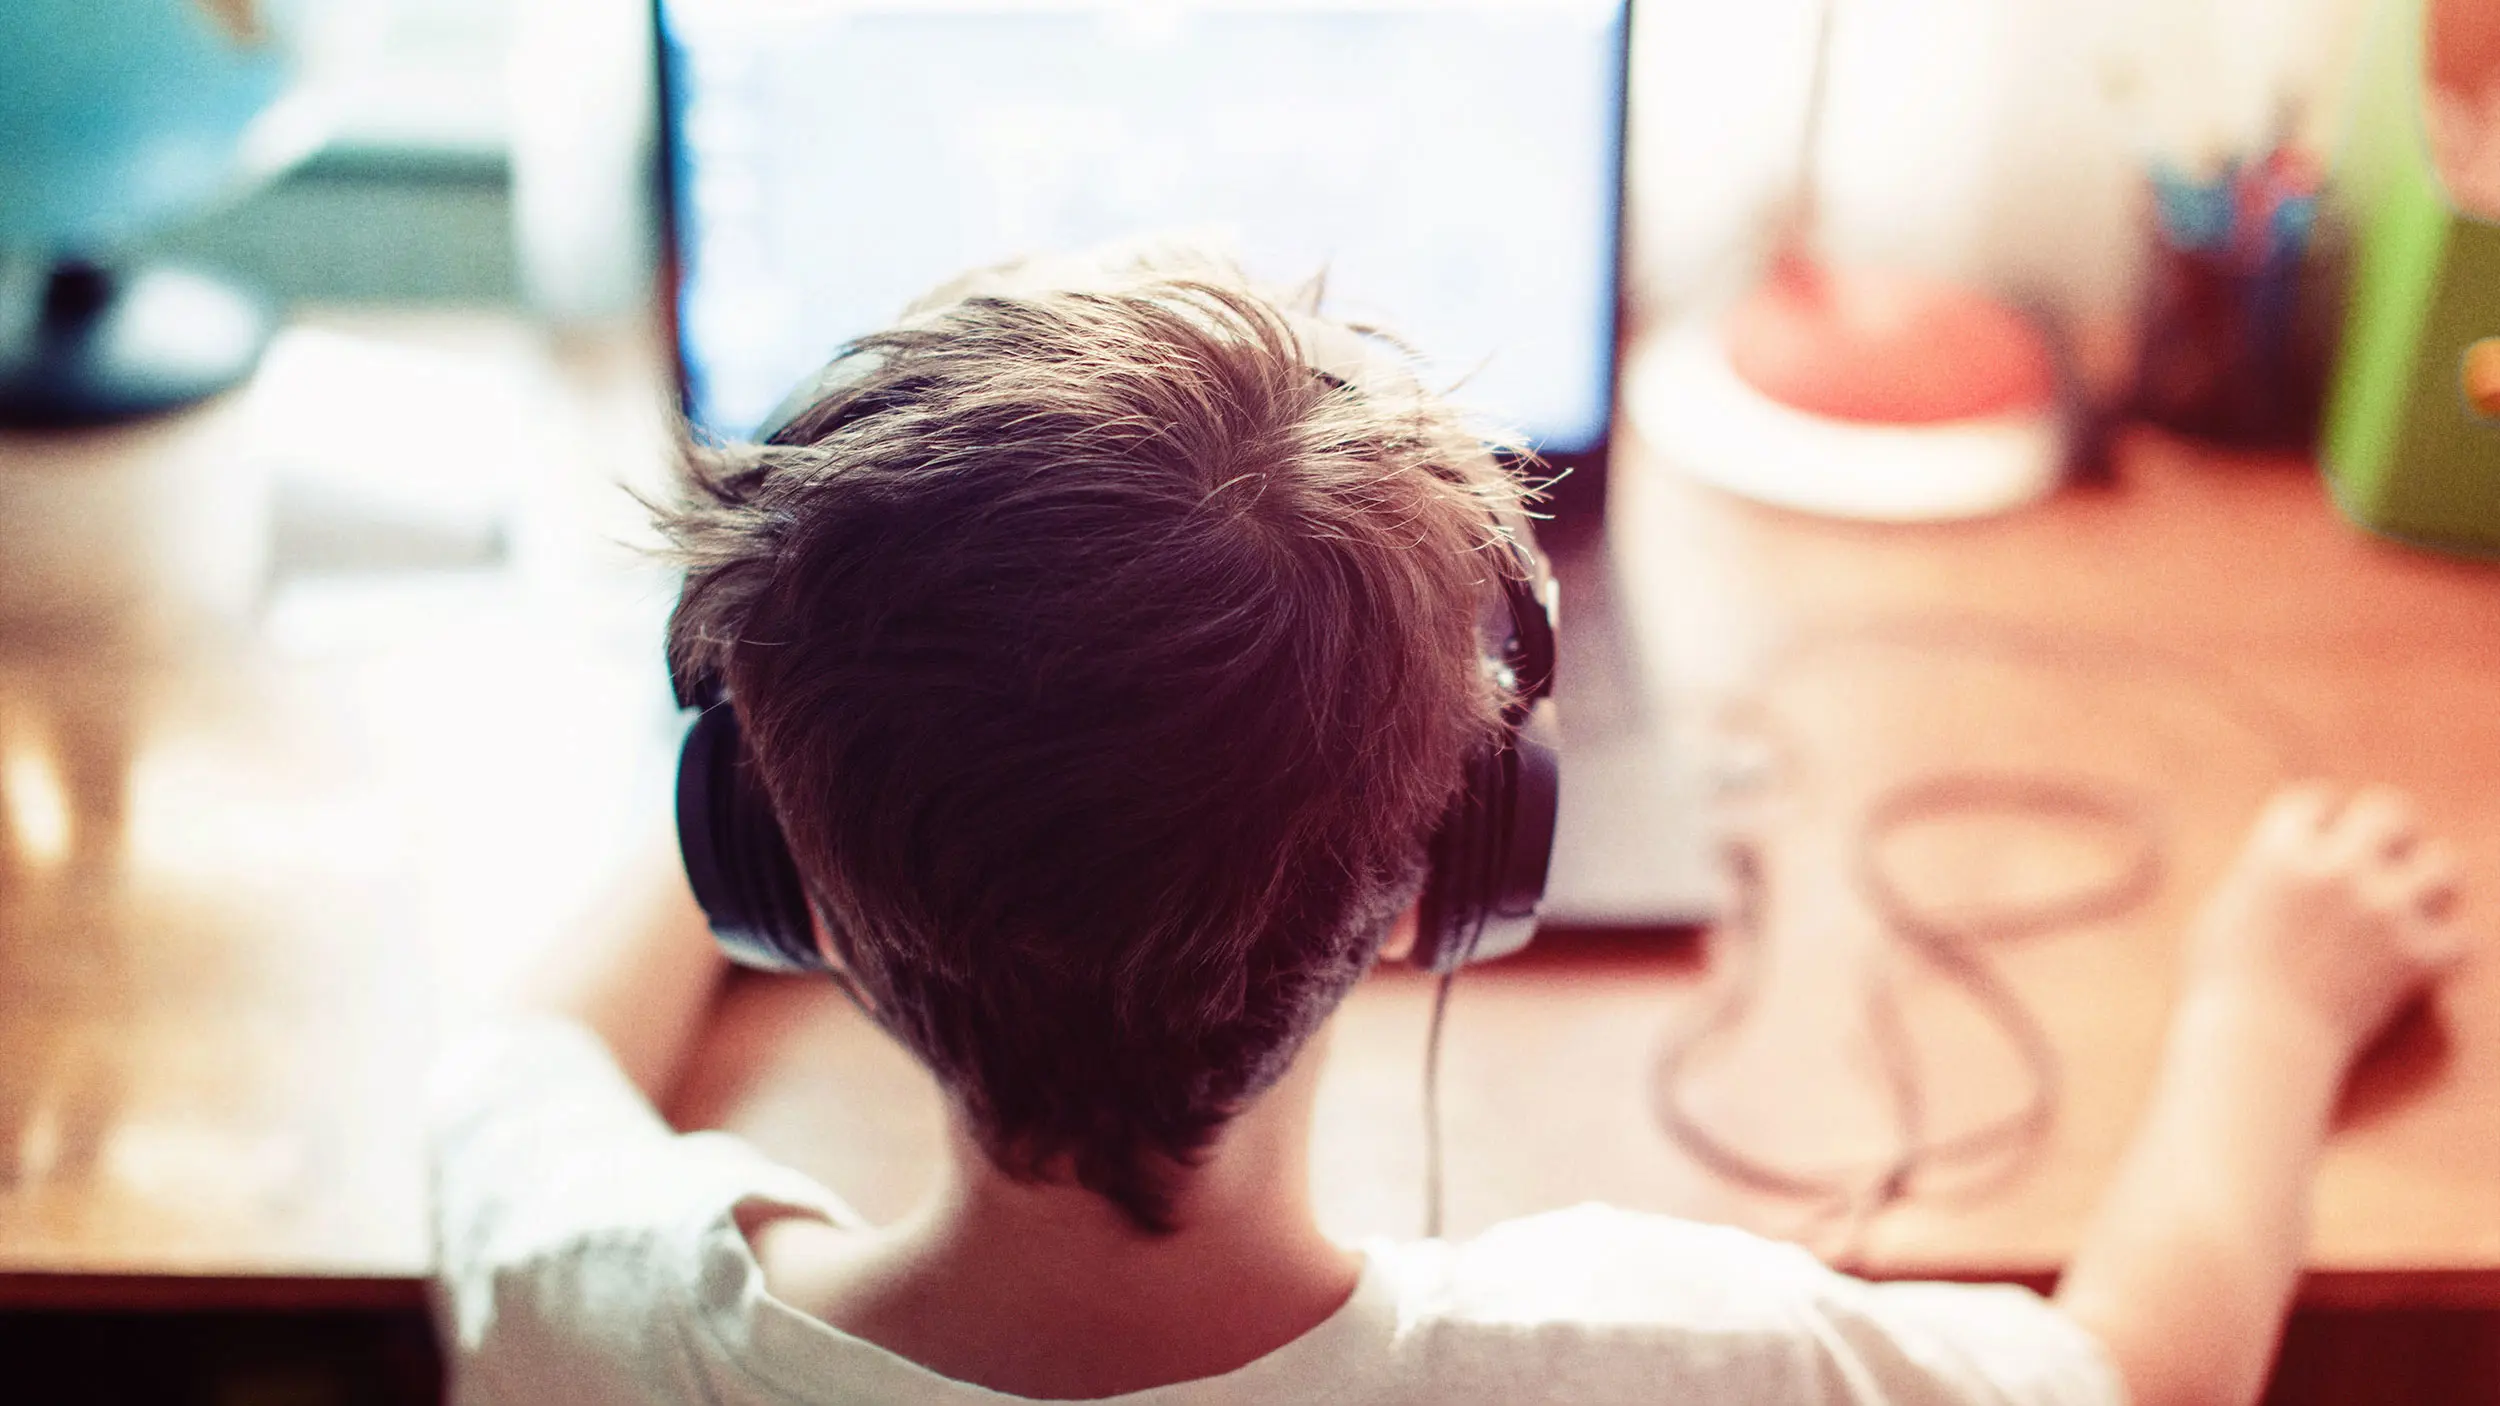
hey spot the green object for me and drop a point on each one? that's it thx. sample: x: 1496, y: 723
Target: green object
x: 2404, y: 451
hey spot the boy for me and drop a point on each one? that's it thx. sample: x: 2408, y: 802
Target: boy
x: 1109, y: 652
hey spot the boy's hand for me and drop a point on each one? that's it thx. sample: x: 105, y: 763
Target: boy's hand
x: 2338, y: 911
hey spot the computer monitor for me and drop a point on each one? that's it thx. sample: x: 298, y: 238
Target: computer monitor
x: 1452, y: 168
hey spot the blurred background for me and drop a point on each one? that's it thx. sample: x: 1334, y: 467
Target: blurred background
x: 329, y: 329
x: 482, y: 150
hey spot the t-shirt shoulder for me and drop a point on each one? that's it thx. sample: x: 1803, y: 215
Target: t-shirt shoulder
x: 568, y: 1217
x: 1595, y: 1303
x: 586, y: 1253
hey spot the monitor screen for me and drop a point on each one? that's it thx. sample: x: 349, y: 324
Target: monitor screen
x: 1452, y: 168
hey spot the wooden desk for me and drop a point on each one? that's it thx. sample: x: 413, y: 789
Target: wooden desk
x: 2187, y: 637
x: 258, y: 848
x: 2184, y: 639
x: 316, y: 706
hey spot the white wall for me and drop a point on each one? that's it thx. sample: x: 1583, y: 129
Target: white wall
x: 1996, y: 140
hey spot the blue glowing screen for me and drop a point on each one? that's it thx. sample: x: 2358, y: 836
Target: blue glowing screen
x: 1452, y: 167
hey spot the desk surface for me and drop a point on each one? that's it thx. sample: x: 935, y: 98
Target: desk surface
x: 316, y: 706
x: 265, y: 821
x: 2186, y: 639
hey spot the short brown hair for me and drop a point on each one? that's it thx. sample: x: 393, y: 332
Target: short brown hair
x: 1109, y: 663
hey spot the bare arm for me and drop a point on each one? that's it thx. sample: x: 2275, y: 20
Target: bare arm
x: 2335, y: 915
x: 2189, y: 1267
x: 641, y: 972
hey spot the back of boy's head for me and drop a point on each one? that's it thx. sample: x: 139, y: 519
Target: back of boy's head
x: 1109, y: 659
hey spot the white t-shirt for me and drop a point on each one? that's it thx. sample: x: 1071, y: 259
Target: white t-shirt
x: 590, y: 1254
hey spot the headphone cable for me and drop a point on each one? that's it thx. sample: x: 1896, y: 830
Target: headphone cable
x: 1432, y: 1102
x: 1952, y: 945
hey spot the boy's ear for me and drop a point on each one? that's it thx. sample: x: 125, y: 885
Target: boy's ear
x: 1400, y: 943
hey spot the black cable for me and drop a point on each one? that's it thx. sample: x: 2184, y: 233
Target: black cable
x: 1953, y: 945
x: 1432, y: 1103
x: 1950, y: 944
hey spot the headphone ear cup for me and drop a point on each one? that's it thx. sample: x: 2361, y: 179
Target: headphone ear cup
x: 736, y: 858
x: 1491, y: 854
x: 1446, y: 916
x: 1532, y: 769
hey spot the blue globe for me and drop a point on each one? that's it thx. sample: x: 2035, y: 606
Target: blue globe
x: 117, y: 116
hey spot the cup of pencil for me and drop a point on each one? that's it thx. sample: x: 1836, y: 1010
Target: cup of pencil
x: 2239, y: 320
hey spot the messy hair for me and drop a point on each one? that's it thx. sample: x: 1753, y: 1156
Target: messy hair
x: 1109, y: 655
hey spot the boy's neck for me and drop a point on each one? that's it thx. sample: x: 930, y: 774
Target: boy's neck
x: 1048, y: 1290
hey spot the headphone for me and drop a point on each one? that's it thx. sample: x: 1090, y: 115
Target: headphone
x: 1486, y: 860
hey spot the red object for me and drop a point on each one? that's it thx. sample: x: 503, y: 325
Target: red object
x: 1886, y: 348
